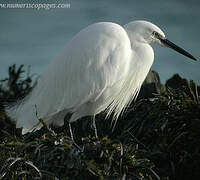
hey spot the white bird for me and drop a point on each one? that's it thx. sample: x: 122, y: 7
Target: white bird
x: 101, y: 69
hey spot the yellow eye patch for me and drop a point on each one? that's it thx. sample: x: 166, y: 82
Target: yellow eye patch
x: 155, y: 34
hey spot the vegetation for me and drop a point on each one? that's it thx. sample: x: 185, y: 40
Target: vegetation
x: 156, y: 138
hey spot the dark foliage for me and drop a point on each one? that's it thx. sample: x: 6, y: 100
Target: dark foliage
x: 157, y: 138
x: 16, y: 86
x: 13, y: 89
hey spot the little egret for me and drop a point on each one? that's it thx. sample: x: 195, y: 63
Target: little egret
x: 102, y: 69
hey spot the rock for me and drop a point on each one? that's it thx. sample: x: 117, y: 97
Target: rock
x: 176, y: 82
x: 152, y: 85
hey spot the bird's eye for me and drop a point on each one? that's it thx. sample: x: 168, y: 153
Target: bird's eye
x: 156, y: 35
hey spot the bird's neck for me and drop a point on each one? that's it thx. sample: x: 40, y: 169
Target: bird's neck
x: 134, y: 36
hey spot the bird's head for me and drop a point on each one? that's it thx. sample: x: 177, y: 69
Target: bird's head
x: 146, y: 32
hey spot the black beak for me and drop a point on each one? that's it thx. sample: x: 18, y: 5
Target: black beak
x: 169, y: 44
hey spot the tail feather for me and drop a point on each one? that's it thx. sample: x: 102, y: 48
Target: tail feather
x: 23, y: 114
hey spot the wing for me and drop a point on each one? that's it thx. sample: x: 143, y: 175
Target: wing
x: 95, y: 59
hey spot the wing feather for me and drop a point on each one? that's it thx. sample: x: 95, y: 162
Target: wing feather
x: 92, y: 62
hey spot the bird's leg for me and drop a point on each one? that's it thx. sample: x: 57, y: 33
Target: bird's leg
x: 94, y: 126
x: 68, y: 123
x: 70, y: 130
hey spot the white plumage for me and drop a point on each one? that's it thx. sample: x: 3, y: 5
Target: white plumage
x: 101, y: 68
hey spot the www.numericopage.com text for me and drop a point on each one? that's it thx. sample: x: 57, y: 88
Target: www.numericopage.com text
x: 34, y: 6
